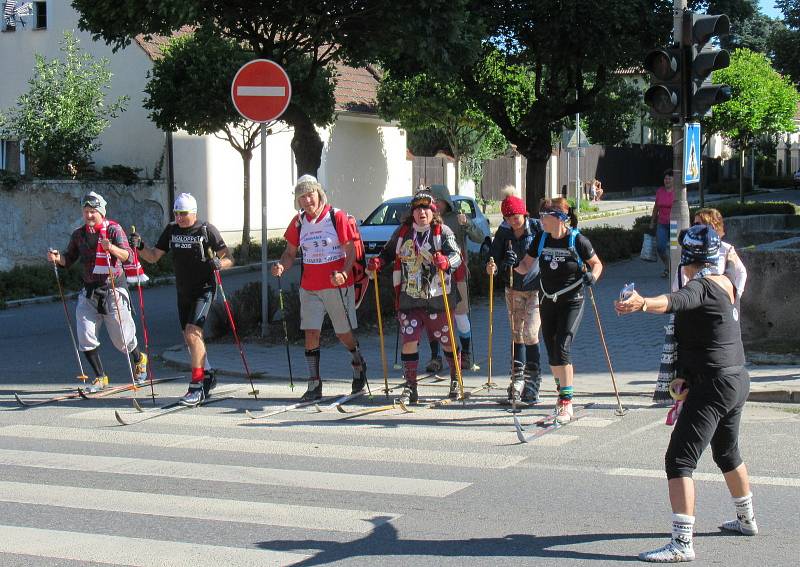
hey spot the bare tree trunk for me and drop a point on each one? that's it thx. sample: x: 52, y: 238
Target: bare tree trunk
x: 306, y: 143
x: 741, y: 175
x: 535, y: 183
x: 247, y: 157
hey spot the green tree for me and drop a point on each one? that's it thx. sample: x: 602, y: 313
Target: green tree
x: 306, y: 38
x: 189, y: 89
x: 784, y: 42
x: 763, y: 103
x: 423, y: 103
x: 64, y: 111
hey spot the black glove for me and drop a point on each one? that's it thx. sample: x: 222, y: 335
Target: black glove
x: 588, y: 279
x: 510, y: 258
x: 135, y: 241
x: 216, y: 262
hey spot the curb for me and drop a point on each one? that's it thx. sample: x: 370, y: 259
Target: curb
x: 152, y: 283
x: 777, y: 359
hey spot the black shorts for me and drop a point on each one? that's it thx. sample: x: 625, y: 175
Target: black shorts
x: 193, y: 307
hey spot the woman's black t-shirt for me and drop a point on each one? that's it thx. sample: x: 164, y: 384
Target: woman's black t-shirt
x: 706, y: 327
x: 193, y: 272
x: 558, y: 266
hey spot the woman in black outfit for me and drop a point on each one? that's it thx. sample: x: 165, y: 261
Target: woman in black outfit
x: 567, y: 264
x: 711, y: 360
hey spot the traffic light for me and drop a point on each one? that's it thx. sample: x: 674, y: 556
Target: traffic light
x: 702, y: 60
x: 665, y: 97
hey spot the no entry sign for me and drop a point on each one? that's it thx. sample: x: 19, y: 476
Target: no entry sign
x: 261, y: 90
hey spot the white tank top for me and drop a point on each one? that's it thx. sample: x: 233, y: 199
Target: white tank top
x: 319, y: 240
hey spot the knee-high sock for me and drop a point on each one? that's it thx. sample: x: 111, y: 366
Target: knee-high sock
x: 410, y: 364
x: 94, y: 360
x: 451, y: 362
x: 434, y: 349
x: 312, y: 360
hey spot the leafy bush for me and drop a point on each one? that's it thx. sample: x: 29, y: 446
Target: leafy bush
x: 775, y: 182
x: 8, y: 179
x: 275, y: 247
x: 730, y: 186
x: 586, y: 206
x: 732, y: 209
x: 23, y: 282
x: 121, y: 173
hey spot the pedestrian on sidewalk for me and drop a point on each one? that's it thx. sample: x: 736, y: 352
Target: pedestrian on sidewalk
x: 463, y: 227
x: 197, y: 250
x: 325, y: 238
x: 660, y: 219
x: 100, y: 245
x: 511, y: 241
x: 729, y: 263
x: 421, y: 247
x: 597, y: 190
x: 567, y: 263
x: 711, y: 360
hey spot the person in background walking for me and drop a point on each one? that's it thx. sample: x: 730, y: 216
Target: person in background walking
x: 711, y: 360
x: 660, y: 219
x: 567, y: 264
x: 511, y: 240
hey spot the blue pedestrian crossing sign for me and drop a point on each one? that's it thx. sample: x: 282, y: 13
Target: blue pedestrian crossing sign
x: 691, y: 153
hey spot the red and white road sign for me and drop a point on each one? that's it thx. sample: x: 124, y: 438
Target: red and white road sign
x: 261, y: 90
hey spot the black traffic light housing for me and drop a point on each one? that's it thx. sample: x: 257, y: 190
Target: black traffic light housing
x: 702, y: 60
x: 666, y: 96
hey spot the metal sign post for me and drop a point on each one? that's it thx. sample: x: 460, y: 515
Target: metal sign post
x: 261, y: 92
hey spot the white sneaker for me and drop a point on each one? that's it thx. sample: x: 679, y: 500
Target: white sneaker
x: 746, y: 527
x: 564, y: 412
x: 670, y: 553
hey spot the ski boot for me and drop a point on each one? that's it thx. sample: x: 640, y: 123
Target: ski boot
x: 209, y: 382
x: 516, y: 387
x: 434, y: 365
x: 409, y: 395
x: 194, y: 396
x: 533, y: 379
x: 314, y: 391
x: 98, y: 384
x: 359, y: 378
x: 140, y: 370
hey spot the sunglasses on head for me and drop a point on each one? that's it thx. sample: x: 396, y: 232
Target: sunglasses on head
x: 93, y: 203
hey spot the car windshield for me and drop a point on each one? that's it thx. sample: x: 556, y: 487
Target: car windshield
x: 387, y: 214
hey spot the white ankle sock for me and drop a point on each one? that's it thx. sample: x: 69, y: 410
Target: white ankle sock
x: 744, y: 507
x: 682, y: 528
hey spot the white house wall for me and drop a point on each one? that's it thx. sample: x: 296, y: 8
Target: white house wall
x: 131, y: 139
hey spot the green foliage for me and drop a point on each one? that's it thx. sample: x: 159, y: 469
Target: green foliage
x: 762, y: 103
x: 275, y: 247
x: 64, y: 111
x: 122, y: 173
x: 775, y: 182
x: 8, y: 179
x: 23, y: 282
x: 784, y: 43
x: 616, y: 110
x: 731, y: 209
x: 730, y: 186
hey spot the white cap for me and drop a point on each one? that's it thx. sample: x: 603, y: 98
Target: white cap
x: 185, y: 202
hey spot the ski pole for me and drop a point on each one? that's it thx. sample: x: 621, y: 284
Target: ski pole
x: 112, y: 278
x: 510, y: 269
x: 285, y: 332
x: 82, y: 375
x: 144, y: 324
x: 453, y: 344
x: 380, y: 334
x: 620, y: 411
x: 253, y: 392
x: 350, y: 326
x: 489, y: 383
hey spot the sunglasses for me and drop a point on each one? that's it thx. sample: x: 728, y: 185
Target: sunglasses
x: 543, y: 214
x: 93, y: 203
x: 182, y: 213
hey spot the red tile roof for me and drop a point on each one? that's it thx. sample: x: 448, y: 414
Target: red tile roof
x: 356, y: 89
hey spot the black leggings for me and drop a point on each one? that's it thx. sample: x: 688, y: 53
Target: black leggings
x: 560, y: 320
x: 711, y: 414
x: 193, y: 308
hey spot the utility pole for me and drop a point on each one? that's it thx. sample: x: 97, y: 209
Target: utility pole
x: 679, y: 215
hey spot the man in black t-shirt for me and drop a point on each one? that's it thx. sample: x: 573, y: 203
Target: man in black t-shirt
x: 197, y: 250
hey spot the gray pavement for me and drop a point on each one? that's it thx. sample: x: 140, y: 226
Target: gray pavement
x: 634, y: 343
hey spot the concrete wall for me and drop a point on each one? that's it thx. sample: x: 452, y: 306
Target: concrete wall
x: 37, y: 215
x: 131, y: 139
x: 757, y: 229
x: 769, y: 305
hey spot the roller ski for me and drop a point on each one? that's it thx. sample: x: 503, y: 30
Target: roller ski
x: 174, y: 407
x: 550, y: 422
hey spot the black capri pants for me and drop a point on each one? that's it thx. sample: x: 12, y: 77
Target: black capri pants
x: 711, y: 414
x: 560, y: 321
x: 193, y: 308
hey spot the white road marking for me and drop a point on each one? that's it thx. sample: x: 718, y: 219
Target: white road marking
x: 216, y: 509
x: 265, y: 446
x: 712, y: 477
x: 261, y: 91
x: 117, y: 550
x: 316, y: 480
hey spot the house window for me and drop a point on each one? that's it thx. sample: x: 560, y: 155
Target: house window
x: 40, y: 15
x: 3, y: 155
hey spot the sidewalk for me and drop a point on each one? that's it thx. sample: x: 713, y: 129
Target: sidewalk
x: 634, y: 344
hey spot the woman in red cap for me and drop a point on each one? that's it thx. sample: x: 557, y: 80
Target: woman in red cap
x: 511, y: 240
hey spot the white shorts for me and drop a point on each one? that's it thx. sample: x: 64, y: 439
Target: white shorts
x: 315, y: 304
x: 89, y: 321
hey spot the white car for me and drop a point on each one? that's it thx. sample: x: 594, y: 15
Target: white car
x: 381, y: 223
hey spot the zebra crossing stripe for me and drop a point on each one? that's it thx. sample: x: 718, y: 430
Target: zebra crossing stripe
x: 316, y: 480
x: 264, y: 446
x: 215, y: 509
x: 136, y: 552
